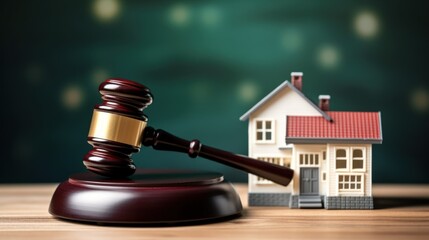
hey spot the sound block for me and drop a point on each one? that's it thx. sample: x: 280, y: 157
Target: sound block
x: 149, y: 196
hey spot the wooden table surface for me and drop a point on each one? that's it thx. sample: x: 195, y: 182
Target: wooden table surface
x: 402, y: 212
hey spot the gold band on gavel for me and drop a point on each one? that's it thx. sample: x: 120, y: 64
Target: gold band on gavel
x: 117, y: 128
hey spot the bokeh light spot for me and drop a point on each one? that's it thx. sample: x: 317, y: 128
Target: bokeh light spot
x: 366, y: 24
x: 99, y: 75
x: 328, y: 57
x: 291, y: 41
x: 179, y: 15
x: 106, y: 10
x: 210, y: 16
x: 247, y: 91
x: 420, y: 100
x: 72, y: 97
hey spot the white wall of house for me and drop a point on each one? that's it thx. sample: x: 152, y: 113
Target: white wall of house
x: 284, y: 103
x: 365, y: 173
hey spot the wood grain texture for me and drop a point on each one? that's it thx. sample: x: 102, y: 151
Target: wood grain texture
x: 402, y: 212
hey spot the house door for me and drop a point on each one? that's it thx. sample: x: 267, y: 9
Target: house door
x: 309, y: 184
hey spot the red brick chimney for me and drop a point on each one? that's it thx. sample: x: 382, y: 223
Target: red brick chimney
x: 296, y: 79
x: 324, y: 102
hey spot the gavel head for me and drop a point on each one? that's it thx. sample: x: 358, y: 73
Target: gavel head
x: 116, y: 127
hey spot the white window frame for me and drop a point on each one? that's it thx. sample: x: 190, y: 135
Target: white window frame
x: 324, y: 174
x: 351, y: 191
x: 349, y: 159
x: 264, y: 131
x: 364, y: 158
x: 308, y: 163
x: 282, y: 161
x: 346, y: 158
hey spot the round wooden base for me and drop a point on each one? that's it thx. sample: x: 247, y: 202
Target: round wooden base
x: 149, y: 196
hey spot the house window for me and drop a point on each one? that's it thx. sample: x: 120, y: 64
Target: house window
x: 265, y: 131
x: 274, y: 160
x: 341, y: 159
x: 309, y: 159
x: 350, y: 183
x: 324, y: 176
x: 324, y: 155
x: 358, y: 159
x: 350, y: 159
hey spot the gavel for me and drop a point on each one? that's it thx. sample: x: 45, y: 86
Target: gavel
x: 119, y: 128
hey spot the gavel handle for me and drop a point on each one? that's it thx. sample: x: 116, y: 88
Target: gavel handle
x: 162, y: 140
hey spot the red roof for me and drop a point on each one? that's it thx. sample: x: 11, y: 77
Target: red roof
x: 350, y: 126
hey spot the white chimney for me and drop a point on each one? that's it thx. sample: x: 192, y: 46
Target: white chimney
x: 324, y: 102
x: 296, y: 79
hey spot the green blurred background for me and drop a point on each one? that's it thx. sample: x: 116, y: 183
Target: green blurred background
x: 207, y: 62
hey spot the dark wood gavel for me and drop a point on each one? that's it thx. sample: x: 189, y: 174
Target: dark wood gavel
x: 118, y: 128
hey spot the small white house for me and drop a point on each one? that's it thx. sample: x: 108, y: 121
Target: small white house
x: 330, y: 151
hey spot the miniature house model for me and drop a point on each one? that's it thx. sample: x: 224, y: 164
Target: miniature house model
x: 330, y: 151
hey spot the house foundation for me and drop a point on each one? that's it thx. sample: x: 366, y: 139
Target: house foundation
x: 347, y: 202
x: 269, y: 199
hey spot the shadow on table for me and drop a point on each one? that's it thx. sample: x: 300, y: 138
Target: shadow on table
x: 394, y: 202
